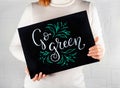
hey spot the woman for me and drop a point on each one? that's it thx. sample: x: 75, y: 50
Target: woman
x: 49, y: 9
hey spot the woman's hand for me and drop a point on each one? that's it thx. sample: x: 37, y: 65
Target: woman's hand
x: 96, y: 51
x: 37, y: 76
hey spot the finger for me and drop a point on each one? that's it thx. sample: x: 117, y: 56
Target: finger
x: 97, y: 57
x: 94, y: 47
x: 96, y: 39
x: 35, y: 78
x: 93, y: 54
x: 40, y: 76
x: 26, y: 71
x: 95, y: 51
x: 43, y: 76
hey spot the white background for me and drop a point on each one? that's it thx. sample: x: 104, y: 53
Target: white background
x: 105, y: 74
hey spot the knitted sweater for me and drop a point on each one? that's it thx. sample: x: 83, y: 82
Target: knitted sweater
x: 34, y: 13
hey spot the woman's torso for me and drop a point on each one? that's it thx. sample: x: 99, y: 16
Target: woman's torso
x: 72, y: 78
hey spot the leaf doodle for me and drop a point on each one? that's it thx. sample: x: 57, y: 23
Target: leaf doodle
x: 67, y: 56
x: 44, y: 56
x: 59, y: 30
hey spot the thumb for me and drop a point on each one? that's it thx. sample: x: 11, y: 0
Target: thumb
x: 26, y: 71
x: 96, y: 39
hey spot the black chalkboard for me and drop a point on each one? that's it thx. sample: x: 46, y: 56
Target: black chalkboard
x: 57, y: 44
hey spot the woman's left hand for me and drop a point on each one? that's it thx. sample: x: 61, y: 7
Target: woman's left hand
x: 96, y: 51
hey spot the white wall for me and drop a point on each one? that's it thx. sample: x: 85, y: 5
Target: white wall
x: 105, y: 74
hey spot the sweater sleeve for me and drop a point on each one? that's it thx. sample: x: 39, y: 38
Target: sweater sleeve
x: 95, y: 25
x: 15, y: 46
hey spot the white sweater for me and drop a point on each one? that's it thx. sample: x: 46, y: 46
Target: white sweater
x: 34, y: 13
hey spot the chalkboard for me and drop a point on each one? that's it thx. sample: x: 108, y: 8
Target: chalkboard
x: 57, y: 44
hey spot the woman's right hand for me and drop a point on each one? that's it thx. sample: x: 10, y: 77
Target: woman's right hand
x: 37, y: 77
